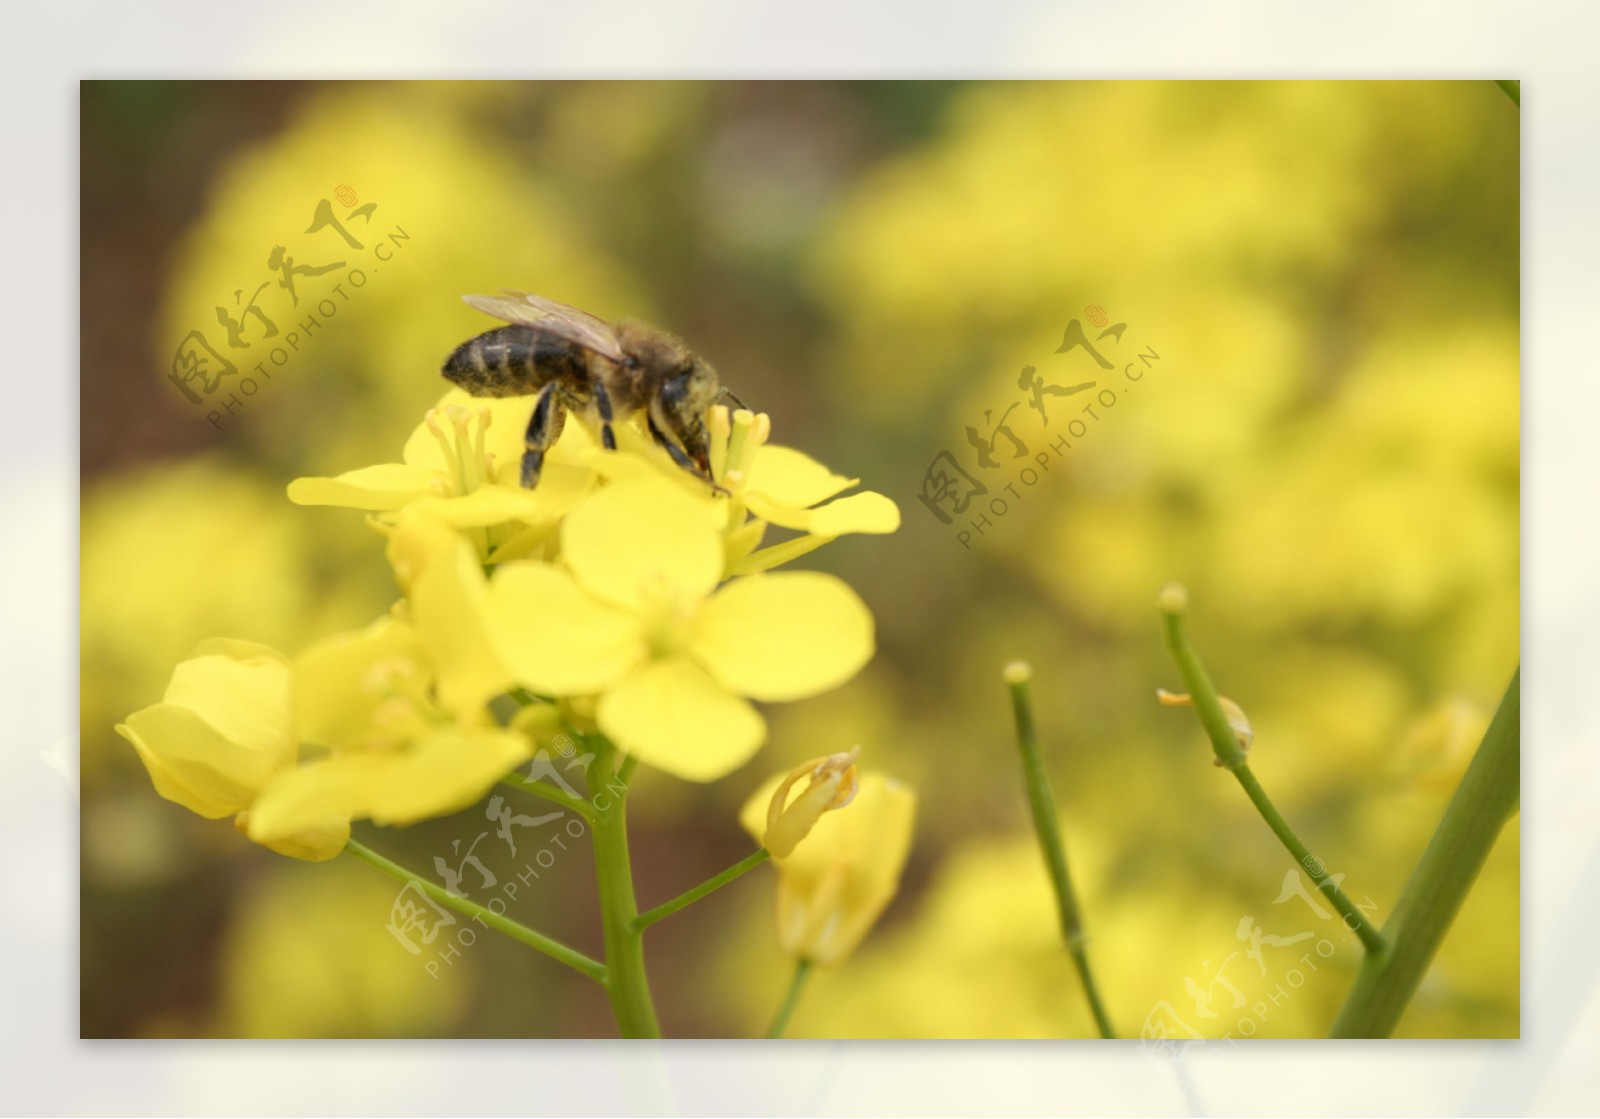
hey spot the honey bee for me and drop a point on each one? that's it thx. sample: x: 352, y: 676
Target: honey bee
x: 575, y: 362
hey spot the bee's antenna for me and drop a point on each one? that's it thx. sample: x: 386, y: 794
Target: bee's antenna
x: 726, y: 391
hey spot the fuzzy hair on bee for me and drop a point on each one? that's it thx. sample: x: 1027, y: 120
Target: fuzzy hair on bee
x: 574, y: 362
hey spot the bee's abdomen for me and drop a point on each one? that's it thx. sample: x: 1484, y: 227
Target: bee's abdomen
x: 510, y: 361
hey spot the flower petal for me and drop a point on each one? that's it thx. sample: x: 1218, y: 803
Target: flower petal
x: 860, y: 512
x: 486, y: 505
x: 315, y: 846
x: 782, y: 637
x: 785, y: 476
x: 377, y: 488
x: 450, y: 610
x: 242, y: 690
x: 444, y: 773
x: 191, y: 764
x: 556, y: 638
x: 676, y: 718
x: 336, y: 690
x: 644, y: 540
x: 316, y: 796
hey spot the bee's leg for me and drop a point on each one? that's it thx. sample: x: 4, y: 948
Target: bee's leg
x: 544, y: 428
x: 602, y: 405
x: 678, y: 456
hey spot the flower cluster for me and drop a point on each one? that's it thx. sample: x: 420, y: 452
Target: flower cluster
x: 622, y: 596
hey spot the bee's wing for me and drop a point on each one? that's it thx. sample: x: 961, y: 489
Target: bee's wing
x: 563, y: 321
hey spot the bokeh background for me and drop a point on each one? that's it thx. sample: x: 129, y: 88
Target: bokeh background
x: 1326, y: 454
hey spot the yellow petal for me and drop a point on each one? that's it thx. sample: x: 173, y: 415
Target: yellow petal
x: 560, y: 488
x: 338, y: 685
x: 389, y: 486
x: 783, y: 637
x: 753, y: 813
x: 450, y: 611
x: 191, y: 764
x: 553, y: 636
x: 315, y: 846
x: 243, y: 691
x: 778, y: 819
x: 785, y: 476
x: 676, y: 718
x: 414, y: 540
x: 443, y: 773
x: 316, y: 796
x: 643, y: 543
x: 860, y: 512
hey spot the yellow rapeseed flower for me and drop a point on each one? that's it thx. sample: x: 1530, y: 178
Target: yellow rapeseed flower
x: 629, y: 616
x: 460, y: 467
x: 401, y: 706
x: 222, y: 733
x: 839, y: 878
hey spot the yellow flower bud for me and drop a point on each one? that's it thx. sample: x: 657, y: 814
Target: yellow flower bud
x: 832, y: 785
x: 833, y: 886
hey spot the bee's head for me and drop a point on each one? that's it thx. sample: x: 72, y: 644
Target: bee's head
x: 680, y: 406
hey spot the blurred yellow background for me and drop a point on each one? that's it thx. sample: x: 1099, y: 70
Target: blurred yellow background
x: 1326, y: 453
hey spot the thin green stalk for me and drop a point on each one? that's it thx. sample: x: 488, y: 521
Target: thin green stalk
x: 689, y: 897
x: 1043, y: 807
x: 1487, y: 797
x: 625, y: 981
x: 1231, y: 756
x: 1513, y: 90
x: 548, y: 792
x: 791, y: 999
x: 574, y: 959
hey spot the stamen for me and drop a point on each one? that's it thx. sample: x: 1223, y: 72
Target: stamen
x: 743, y: 419
x: 479, y: 455
x: 721, y: 429
x: 459, y: 419
x: 762, y: 431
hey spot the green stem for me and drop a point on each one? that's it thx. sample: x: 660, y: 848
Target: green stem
x: 1486, y: 798
x: 1045, y: 824
x: 791, y: 999
x: 548, y: 792
x: 689, y: 897
x: 574, y: 959
x: 1513, y: 90
x: 625, y: 981
x: 1231, y: 756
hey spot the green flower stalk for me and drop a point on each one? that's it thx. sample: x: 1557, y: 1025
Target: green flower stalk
x: 1230, y: 739
x: 1042, y: 805
x: 1485, y: 800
